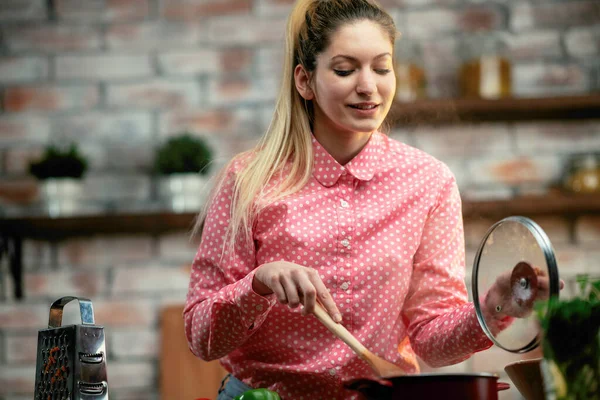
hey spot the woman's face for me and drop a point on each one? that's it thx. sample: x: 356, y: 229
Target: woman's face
x: 354, y: 82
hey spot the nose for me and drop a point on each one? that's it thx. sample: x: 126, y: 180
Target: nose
x: 366, y: 83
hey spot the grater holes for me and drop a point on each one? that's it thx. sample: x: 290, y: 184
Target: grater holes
x: 53, y: 391
x: 55, y: 370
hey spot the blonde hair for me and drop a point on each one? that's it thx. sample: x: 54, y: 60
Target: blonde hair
x: 288, y: 139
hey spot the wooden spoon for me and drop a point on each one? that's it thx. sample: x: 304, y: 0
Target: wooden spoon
x: 383, y: 368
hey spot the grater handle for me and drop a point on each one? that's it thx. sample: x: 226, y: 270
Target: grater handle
x: 56, y: 311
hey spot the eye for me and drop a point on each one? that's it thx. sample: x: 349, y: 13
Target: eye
x: 383, y: 71
x: 341, y: 72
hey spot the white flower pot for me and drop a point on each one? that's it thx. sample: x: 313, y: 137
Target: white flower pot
x: 183, y: 192
x: 59, y: 196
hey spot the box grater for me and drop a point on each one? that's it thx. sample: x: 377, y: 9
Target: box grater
x: 71, y: 360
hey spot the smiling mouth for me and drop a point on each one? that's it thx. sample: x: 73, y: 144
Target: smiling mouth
x: 364, y: 106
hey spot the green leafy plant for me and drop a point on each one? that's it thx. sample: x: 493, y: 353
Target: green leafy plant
x: 59, y: 162
x: 183, y: 153
x: 572, y: 341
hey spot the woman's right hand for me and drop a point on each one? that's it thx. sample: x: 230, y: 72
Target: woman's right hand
x: 293, y: 285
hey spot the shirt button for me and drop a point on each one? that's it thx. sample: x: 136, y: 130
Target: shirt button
x: 332, y: 371
x: 345, y: 286
x: 344, y: 203
x: 259, y: 307
x: 345, y: 243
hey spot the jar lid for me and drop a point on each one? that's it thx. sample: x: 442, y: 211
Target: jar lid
x: 514, y: 247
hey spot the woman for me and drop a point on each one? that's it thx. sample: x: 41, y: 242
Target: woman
x: 327, y: 208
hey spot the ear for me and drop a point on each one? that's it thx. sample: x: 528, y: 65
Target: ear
x: 302, y: 81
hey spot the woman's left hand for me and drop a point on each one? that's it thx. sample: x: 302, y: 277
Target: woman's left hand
x: 514, y: 292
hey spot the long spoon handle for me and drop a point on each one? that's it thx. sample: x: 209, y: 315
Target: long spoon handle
x: 382, y: 367
x: 339, y: 330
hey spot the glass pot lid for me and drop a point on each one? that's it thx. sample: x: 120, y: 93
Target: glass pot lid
x: 517, y: 249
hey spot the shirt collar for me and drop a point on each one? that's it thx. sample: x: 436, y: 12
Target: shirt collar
x: 327, y: 170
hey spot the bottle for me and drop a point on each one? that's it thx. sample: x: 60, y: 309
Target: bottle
x: 486, y: 71
x: 583, y: 174
x: 410, y: 73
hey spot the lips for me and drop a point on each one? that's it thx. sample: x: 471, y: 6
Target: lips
x: 364, y: 106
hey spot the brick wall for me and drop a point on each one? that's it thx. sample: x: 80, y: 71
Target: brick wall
x: 119, y: 76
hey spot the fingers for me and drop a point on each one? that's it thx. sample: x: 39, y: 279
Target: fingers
x: 304, y: 286
x: 539, y: 272
x: 544, y: 287
x: 297, y: 288
x: 292, y: 297
x: 275, y: 285
x: 309, y: 291
x: 327, y: 301
x: 295, y: 284
x: 324, y: 297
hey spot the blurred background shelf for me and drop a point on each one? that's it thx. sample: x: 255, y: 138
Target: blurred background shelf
x: 452, y: 111
x: 14, y: 229
x: 62, y: 227
x: 553, y: 203
x: 161, y: 221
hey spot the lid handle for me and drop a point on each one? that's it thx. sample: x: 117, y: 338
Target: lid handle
x: 56, y: 311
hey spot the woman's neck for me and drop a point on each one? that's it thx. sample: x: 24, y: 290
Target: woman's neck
x: 343, y: 147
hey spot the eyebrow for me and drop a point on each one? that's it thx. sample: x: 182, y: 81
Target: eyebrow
x: 355, y: 59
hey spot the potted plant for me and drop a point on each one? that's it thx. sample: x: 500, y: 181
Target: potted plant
x: 183, y: 164
x: 571, y: 344
x: 59, y: 171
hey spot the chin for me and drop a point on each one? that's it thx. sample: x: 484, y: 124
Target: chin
x: 365, y: 128
x: 363, y: 125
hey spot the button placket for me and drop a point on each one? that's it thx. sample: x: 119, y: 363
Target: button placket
x: 345, y: 246
x: 345, y: 211
x: 343, y: 216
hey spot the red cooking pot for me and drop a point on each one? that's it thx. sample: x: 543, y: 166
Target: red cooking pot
x: 394, y: 384
x: 430, y: 386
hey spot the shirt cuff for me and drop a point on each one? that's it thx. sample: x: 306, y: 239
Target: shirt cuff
x: 253, y: 307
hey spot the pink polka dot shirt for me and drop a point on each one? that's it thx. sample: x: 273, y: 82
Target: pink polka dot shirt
x: 385, y: 234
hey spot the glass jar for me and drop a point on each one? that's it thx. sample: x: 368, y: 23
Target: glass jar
x: 583, y: 174
x: 486, y: 71
x: 410, y: 73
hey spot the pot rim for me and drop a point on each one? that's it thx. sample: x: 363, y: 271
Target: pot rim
x: 450, y: 374
x: 428, y: 376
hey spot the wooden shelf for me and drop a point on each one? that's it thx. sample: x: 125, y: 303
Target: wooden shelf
x: 159, y: 222
x: 14, y: 230
x: 452, y: 111
x: 555, y: 203
x: 49, y: 228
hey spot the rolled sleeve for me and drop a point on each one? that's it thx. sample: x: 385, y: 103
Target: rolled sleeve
x: 253, y: 307
x: 222, y: 311
x: 442, y: 326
